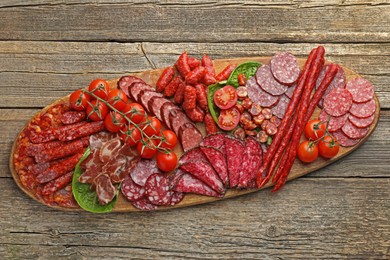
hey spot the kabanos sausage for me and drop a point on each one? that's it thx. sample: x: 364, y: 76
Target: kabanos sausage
x: 166, y: 77
x: 193, y: 77
x: 84, y: 130
x: 201, y: 96
x: 189, y: 97
x: 182, y: 64
x: 225, y: 73
x: 57, y: 184
x: 172, y: 87
x: 211, y: 126
x: 207, y: 62
x: 72, y: 117
x: 193, y: 62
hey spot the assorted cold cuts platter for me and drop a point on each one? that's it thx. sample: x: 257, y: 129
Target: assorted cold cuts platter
x: 192, y: 133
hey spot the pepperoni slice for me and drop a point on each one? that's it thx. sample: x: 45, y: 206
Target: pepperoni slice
x: 353, y: 132
x: 281, y: 107
x: 361, y: 122
x: 285, y: 68
x: 344, y: 140
x: 268, y: 83
x: 258, y: 95
x: 132, y: 191
x: 363, y: 110
x: 335, y: 123
x: 361, y: 89
x: 338, y: 102
x: 157, y: 190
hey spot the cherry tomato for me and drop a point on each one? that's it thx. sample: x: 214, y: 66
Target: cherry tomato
x: 97, y: 110
x: 166, y: 161
x: 117, y: 98
x: 114, y: 122
x: 307, y: 151
x: 328, y: 147
x: 225, y: 97
x: 228, y: 119
x: 135, y: 112
x: 99, y: 87
x: 147, y: 148
x: 315, y: 129
x: 130, y: 135
x: 78, y: 100
x: 151, y: 126
x: 169, y: 139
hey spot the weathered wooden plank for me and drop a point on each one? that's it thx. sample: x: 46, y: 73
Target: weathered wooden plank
x: 320, y: 218
x: 203, y: 21
x: 37, y: 73
x: 370, y: 160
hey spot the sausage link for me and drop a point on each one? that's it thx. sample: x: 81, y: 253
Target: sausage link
x: 207, y: 62
x: 57, y: 184
x: 182, y: 64
x: 189, y: 97
x: 172, y: 87
x: 193, y: 62
x: 201, y: 96
x: 193, y: 77
x: 211, y: 126
x: 165, y: 78
x: 225, y: 73
x: 196, y: 114
x: 81, y: 131
x: 179, y: 95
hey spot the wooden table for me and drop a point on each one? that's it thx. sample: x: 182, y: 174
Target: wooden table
x: 50, y: 48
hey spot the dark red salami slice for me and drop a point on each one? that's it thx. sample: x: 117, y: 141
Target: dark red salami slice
x: 72, y: 117
x: 204, y: 172
x: 353, y: 132
x: 189, y: 184
x: 144, y: 204
x: 338, y: 102
x: 189, y: 136
x: 335, y: 123
x: 136, y: 89
x: 165, y: 111
x: 125, y: 83
x: 218, y: 161
x: 143, y: 170
x: 281, y: 106
x: 147, y: 95
x: 285, y: 68
x: 344, y: 140
x: 157, y: 190
x: 363, y: 110
x: 215, y: 140
x: 177, y: 197
x: 177, y: 118
x: 268, y: 83
x: 193, y: 155
x: 361, y: 89
x: 251, y: 161
x: 337, y: 82
x: 132, y: 191
x: 361, y: 122
x: 155, y: 104
x: 290, y: 91
x: 258, y: 95
x: 234, y: 152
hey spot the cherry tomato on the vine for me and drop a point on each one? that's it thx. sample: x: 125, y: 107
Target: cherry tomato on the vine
x: 307, y: 151
x: 315, y: 129
x: 130, y: 135
x: 169, y: 139
x: 166, y: 161
x: 78, y: 100
x: 151, y: 126
x: 225, y: 97
x: 117, y: 98
x: 99, y: 87
x: 146, y: 148
x: 328, y: 147
x: 135, y: 112
x: 114, y: 122
x: 96, y: 110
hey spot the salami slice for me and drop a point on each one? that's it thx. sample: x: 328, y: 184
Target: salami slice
x: 193, y: 155
x: 251, y: 161
x: 126, y: 82
x: 337, y: 82
x: 281, y: 107
x: 177, y: 197
x: 344, y: 140
x: 361, y: 89
x: 361, y: 122
x: 258, y: 95
x: 165, y: 111
x: 353, y: 132
x: 363, y: 110
x: 268, y: 83
x: 338, y: 102
x: 189, y: 136
x: 144, y: 204
x: 136, y: 89
x: 189, y: 184
x: 234, y: 152
x: 218, y: 161
x: 157, y: 190
x: 132, y: 191
x: 204, y: 172
x: 285, y: 68
x: 177, y: 118
x: 335, y: 123
x: 290, y: 91
x: 215, y: 140
x: 147, y: 95
x: 143, y: 170
x: 155, y: 104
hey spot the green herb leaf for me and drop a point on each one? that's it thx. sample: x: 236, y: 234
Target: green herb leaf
x: 214, y: 110
x: 248, y: 69
x: 85, y: 197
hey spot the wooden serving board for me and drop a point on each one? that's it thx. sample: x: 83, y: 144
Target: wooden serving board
x: 299, y: 169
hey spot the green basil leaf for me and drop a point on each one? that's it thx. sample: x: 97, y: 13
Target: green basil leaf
x: 214, y: 110
x: 85, y: 197
x: 248, y: 69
